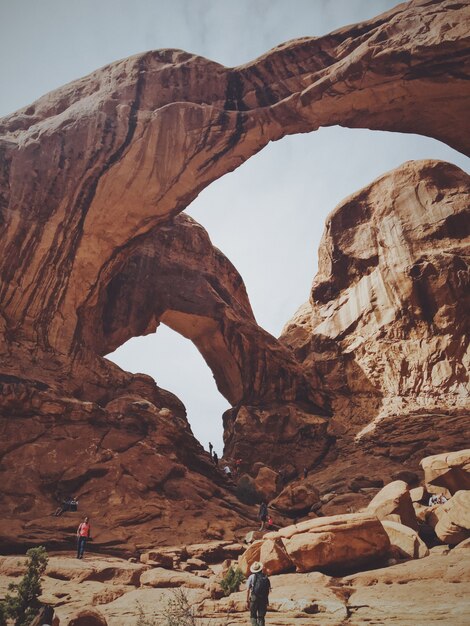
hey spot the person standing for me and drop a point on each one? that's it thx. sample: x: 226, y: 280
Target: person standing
x: 211, y: 447
x: 263, y: 514
x: 83, y: 534
x: 215, y: 458
x: 258, y: 587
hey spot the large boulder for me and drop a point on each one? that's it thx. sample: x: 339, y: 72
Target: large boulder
x: 393, y: 503
x: 274, y: 557
x: 447, y: 473
x: 296, y: 499
x: 405, y: 541
x: 267, y: 483
x: 250, y: 555
x: 453, y: 524
x: 338, y: 542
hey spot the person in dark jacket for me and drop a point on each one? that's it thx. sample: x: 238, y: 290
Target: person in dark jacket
x: 263, y: 514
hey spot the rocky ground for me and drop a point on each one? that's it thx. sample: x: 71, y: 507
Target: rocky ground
x: 401, y: 559
x: 432, y: 590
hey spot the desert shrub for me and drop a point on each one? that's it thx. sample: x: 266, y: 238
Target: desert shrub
x: 232, y: 580
x: 142, y: 620
x: 3, y: 617
x: 178, y: 611
x: 23, y: 606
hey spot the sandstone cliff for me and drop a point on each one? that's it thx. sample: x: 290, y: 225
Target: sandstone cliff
x: 92, y: 252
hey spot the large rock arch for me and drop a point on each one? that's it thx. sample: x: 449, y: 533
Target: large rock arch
x: 103, y: 160
x: 90, y: 176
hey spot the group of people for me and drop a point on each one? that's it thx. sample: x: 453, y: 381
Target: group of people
x: 227, y: 469
x: 437, y: 498
x: 70, y: 503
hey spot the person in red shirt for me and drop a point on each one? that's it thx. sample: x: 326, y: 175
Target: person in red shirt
x: 83, y: 534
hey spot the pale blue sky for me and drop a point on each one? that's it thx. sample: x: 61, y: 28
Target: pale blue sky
x: 268, y: 215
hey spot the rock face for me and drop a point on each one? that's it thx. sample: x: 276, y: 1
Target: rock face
x: 92, y: 252
x: 386, y: 325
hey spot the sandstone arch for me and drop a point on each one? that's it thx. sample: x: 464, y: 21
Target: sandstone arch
x: 175, y: 275
x: 102, y: 161
x: 92, y: 170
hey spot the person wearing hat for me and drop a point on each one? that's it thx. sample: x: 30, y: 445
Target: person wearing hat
x: 257, y: 594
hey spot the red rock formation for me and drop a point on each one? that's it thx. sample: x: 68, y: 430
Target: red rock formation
x: 91, y: 167
x: 387, y: 324
x: 90, y: 176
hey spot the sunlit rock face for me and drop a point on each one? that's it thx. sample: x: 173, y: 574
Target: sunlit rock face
x: 387, y: 323
x: 175, y: 275
x: 92, y: 178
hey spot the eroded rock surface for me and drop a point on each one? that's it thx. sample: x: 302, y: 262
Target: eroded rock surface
x: 387, y: 325
x: 92, y: 178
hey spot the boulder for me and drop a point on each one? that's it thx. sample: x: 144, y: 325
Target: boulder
x: 254, y: 535
x: 405, y: 541
x: 267, y: 483
x: 418, y: 494
x: 296, y: 499
x: 159, y: 577
x: 87, y: 617
x: 338, y: 542
x: 274, y: 557
x: 157, y: 559
x: 393, y: 502
x: 453, y: 524
x: 447, y: 473
x: 251, y: 555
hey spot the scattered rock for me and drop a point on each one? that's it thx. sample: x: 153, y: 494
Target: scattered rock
x: 405, y: 541
x: 394, y: 503
x: 296, y: 500
x: 447, y: 473
x: 453, y: 525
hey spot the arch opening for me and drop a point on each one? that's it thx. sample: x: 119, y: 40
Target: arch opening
x: 281, y: 182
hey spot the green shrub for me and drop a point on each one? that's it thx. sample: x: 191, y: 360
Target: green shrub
x: 24, y: 605
x: 232, y: 580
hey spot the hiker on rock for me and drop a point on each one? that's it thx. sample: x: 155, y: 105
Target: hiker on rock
x: 263, y: 514
x: 83, y: 535
x: 215, y: 458
x: 211, y: 447
x: 257, y: 594
x: 70, y: 503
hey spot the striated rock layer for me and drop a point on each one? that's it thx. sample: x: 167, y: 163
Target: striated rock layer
x: 387, y: 323
x: 92, y: 253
